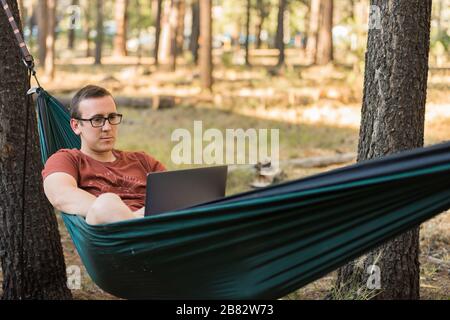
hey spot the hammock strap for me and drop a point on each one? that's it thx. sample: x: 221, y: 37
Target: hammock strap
x: 27, y: 57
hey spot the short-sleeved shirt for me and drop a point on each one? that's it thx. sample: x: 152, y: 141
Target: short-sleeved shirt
x: 126, y: 176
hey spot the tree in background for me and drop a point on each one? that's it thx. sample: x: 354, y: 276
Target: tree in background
x: 195, y: 30
x: 279, y: 40
x: 311, y: 47
x: 319, y: 48
x: 42, y: 30
x: 247, y: 32
x: 49, y: 64
x: 71, y: 33
x: 393, y: 111
x: 99, y: 29
x: 180, y: 26
x: 325, y: 35
x: 120, y: 38
x: 87, y: 27
x: 206, y: 65
x: 157, y: 30
x: 263, y: 7
x: 165, y: 45
x: 174, y: 29
x: 31, y: 254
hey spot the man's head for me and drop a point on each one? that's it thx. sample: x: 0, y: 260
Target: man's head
x: 89, y: 108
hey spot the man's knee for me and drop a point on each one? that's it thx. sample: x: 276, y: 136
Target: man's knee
x: 106, y: 200
x: 108, y: 207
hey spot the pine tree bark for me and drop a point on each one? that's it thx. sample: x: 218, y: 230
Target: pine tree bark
x: 195, y: 30
x: 121, y: 17
x: 99, y: 28
x: 279, y: 40
x: 30, y: 248
x: 206, y: 65
x: 325, y: 35
x: 393, y: 112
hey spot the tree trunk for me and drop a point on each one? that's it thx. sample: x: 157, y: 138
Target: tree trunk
x: 351, y: 14
x: 87, y: 28
x: 165, y: 38
x: 247, y: 33
x: 314, y: 18
x: 32, y: 20
x: 206, y: 65
x: 21, y: 11
x: 71, y: 34
x: 279, y: 41
x: 99, y: 28
x: 325, y: 38
x: 195, y: 30
x: 393, y: 112
x: 180, y: 26
x: 157, y: 30
x: 120, y: 39
x: 174, y: 12
x: 50, y: 43
x: 263, y: 14
x: 30, y: 249
x: 439, y: 18
x: 42, y: 30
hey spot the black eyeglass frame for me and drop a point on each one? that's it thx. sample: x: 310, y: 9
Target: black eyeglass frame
x: 104, y: 120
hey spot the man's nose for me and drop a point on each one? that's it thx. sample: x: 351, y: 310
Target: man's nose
x: 106, y: 126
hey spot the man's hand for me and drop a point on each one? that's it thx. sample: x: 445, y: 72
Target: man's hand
x: 139, y: 213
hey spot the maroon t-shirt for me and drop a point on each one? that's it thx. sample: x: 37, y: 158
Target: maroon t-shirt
x: 126, y: 176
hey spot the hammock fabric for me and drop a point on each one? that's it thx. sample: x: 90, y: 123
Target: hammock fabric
x: 261, y: 244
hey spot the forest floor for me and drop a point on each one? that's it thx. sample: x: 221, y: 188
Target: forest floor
x: 316, y: 110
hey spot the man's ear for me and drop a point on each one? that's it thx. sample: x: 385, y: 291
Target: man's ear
x: 74, y: 124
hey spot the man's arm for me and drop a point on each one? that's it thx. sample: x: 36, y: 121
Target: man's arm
x: 63, y: 193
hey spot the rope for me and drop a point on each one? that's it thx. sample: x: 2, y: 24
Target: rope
x: 24, y: 171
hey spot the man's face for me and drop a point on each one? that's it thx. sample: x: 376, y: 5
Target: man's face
x: 100, y: 139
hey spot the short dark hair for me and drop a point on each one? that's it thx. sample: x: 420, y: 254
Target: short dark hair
x: 89, y: 91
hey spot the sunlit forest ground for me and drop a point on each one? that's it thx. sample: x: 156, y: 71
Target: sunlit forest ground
x: 316, y: 109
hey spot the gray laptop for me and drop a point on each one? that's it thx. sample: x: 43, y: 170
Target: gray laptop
x: 179, y: 189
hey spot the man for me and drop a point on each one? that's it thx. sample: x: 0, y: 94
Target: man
x: 98, y: 182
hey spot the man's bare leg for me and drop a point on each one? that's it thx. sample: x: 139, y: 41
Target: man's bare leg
x: 108, y: 208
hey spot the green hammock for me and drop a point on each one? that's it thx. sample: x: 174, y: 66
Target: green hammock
x: 261, y: 244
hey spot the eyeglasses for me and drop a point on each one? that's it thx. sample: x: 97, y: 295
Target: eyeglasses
x: 98, y: 122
